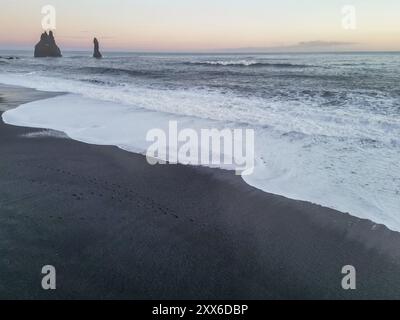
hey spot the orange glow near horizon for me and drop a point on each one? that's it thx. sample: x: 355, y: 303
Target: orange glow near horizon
x: 178, y: 25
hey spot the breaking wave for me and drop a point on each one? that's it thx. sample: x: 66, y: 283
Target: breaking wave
x: 248, y: 63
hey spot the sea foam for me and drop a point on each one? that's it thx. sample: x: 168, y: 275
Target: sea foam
x: 327, y: 170
x: 327, y: 126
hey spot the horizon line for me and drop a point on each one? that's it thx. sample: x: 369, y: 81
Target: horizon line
x: 227, y: 51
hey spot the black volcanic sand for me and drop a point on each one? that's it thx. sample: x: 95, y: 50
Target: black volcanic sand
x: 116, y: 227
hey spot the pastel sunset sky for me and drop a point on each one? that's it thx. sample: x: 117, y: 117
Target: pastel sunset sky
x: 204, y: 25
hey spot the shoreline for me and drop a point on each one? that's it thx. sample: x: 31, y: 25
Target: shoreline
x: 64, y: 99
x: 120, y: 228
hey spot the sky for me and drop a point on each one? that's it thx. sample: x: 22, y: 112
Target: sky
x: 206, y: 25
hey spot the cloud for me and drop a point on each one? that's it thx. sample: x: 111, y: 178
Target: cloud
x: 319, y: 43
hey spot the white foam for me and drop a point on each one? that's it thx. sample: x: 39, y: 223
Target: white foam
x: 46, y: 134
x: 102, y: 123
x: 230, y: 62
x: 304, y: 117
x: 346, y: 174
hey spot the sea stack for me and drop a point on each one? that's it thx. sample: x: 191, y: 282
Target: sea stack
x: 96, y: 53
x: 47, y: 46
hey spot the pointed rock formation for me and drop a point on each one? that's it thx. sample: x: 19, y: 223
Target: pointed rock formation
x: 47, y: 46
x: 96, y: 53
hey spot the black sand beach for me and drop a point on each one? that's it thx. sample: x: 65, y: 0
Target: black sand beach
x: 116, y: 227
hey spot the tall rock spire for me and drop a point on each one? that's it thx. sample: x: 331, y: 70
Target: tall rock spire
x: 47, y: 46
x: 96, y: 53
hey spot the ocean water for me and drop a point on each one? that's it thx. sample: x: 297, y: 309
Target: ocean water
x: 327, y: 125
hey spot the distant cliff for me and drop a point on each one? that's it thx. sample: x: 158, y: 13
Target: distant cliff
x: 47, y: 46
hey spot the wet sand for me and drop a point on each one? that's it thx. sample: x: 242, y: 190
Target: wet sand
x: 116, y: 227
